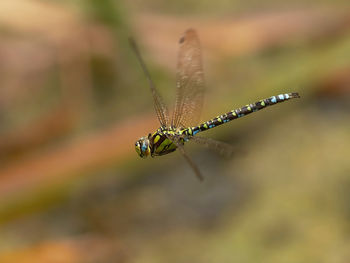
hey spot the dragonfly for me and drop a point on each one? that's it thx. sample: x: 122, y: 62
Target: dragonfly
x: 183, y: 126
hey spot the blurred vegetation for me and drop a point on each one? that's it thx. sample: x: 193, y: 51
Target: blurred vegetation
x: 73, y: 100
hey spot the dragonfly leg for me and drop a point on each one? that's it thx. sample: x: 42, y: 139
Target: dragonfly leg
x: 189, y: 160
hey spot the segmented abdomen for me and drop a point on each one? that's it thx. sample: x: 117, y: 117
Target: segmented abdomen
x: 237, y: 113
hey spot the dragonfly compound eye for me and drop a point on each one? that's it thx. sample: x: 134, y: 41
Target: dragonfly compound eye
x: 142, y: 147
x: 138, y: 149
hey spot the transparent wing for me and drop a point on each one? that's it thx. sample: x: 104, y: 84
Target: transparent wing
x: 222, y: 148
x: 176, y: 140
x: 159, y: 105
x: 189, y: 81
x: 191, y: 163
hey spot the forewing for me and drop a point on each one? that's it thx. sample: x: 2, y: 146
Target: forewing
x: 159, y: 105
x: 189, y: 81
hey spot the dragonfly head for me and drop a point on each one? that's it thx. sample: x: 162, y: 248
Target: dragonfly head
x: 142, y: 147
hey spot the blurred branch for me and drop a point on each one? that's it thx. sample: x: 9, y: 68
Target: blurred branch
x: 242, y: 35
x: 35, y: 49
x: 41, y: 131
x: 57, y: 166
x: 73, y: 250
x: 335, y: 84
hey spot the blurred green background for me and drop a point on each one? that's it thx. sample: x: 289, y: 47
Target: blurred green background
x: 73, y: 100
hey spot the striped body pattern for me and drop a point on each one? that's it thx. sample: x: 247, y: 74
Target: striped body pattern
x: 160, y: 143
x: 183, y: 126
x: 241, y: 112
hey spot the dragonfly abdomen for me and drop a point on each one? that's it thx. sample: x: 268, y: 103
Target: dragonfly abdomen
x: 240, y: 112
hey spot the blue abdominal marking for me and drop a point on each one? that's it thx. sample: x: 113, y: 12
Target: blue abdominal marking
x: 195, y: 132
x: 281, y: 97
x: 287, y: 96
x: 273, y: 99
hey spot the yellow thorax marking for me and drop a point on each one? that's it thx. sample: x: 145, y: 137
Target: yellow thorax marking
x: 190, y: 131
x: 156, y: 139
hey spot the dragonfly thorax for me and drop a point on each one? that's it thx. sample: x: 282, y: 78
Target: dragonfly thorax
x: 158, y: 143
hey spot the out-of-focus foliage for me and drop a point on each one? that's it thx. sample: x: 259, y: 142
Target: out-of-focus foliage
x: 73, y: 100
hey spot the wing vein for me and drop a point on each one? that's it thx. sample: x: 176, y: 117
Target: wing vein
x: 159, y: 105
